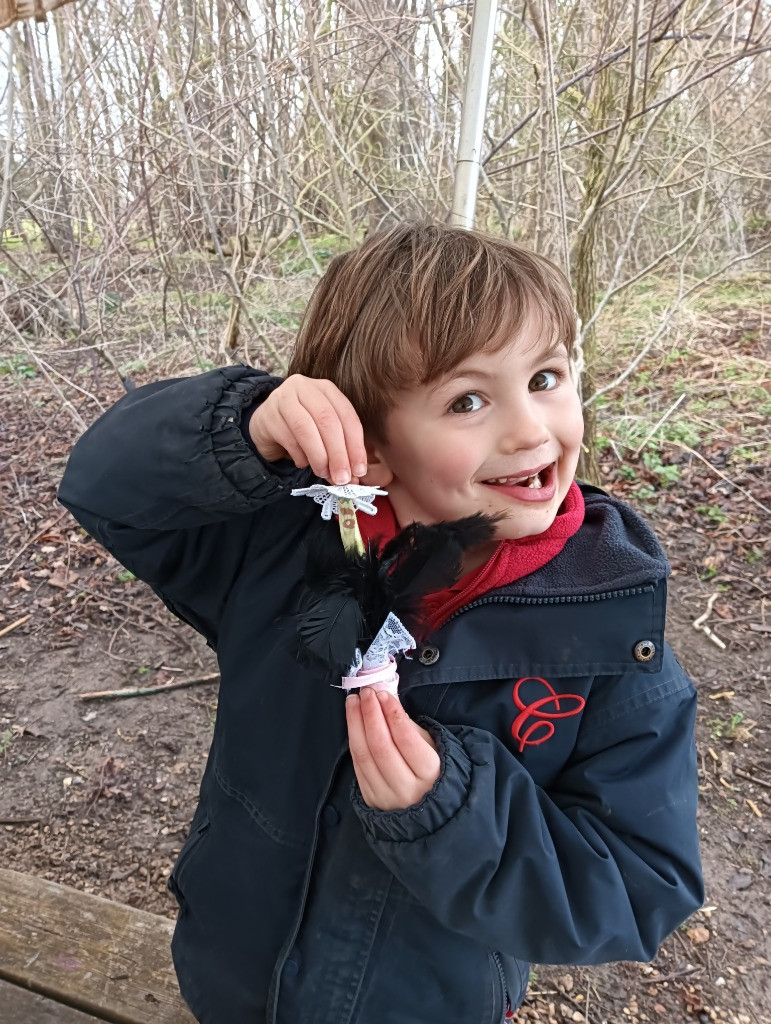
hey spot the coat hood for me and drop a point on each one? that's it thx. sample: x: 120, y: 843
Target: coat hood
x: 615, y: 549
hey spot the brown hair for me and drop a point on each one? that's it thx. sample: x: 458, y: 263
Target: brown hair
x: 414, y: 301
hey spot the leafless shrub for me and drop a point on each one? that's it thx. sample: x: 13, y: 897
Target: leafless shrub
x: 161, y: 152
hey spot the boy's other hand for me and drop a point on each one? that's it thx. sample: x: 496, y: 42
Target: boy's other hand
x: 395, y: 761
x: 311, y: 422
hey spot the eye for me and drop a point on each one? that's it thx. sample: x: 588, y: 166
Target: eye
x: 545, y: 380
x: 470, y: 402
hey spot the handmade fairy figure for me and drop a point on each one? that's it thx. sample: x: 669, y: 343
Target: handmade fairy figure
x: 358, y: 594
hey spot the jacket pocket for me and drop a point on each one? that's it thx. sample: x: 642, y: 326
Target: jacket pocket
x: 191, y: 845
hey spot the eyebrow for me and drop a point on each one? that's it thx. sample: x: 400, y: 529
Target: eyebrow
x: 557, y: 348
x: 540, y: 355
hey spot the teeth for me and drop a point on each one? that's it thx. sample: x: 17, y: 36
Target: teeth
x: 512, y: 481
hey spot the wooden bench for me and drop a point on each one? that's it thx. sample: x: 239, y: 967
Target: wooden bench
x: 70, y: 958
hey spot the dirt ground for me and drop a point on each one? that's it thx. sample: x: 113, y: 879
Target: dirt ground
x: 98, y: 793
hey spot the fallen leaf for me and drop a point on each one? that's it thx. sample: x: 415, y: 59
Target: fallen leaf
x: 754, y: 808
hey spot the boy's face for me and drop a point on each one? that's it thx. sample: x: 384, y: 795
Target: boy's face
x: 501, y: 433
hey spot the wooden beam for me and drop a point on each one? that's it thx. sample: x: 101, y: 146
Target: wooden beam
x: 20, y: 1006
x: 102, y: 958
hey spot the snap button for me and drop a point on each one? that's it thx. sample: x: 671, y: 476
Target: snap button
x: 331, y: 815
x: 428, y: 655
x: 644, y: 650
x: 291, y: 968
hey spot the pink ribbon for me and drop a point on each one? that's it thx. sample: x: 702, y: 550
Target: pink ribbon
x: 384, y: 677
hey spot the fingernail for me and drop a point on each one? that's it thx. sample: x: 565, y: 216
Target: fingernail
x: 383, y: 696
x: 342, y: 478
x: 360, y: 468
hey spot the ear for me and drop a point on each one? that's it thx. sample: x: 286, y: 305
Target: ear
x: 378, y: 471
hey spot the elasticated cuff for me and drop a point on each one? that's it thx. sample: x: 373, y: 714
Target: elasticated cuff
x: 252, y: 477
x: 437, y: 807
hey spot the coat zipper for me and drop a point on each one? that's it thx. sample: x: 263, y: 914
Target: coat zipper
x: 569, y: 599
x: 506, y: 1002
x: 276, y: 987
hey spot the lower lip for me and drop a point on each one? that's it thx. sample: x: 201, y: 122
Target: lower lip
x: 544, y: 493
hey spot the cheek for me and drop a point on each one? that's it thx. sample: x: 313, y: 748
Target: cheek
x: 454, y: 464
x: 577, y: 434
x: 572, y: 424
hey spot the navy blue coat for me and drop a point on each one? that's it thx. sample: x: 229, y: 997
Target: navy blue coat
x: 562, y: 828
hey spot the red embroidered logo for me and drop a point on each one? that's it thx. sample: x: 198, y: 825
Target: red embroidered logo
x: 542, y: 729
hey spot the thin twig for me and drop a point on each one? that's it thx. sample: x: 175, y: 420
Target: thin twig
x: 665, y: 417
x: 76, y: 417
x: 670, y: 977
x: 139, y: 611
x: 699, y: 624
x: 728, y: 480
x: 141, y: 691
x: 14, y: 625
x: 5, y: 195
x: 666, y: 320
x: 41, y: 533
x: 752, y: 778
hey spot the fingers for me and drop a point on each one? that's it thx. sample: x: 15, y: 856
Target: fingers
x: 395, y: 760
x: 299, y: 433
x: 414, y: 744
x: 374, y: 788
x: 315, y: 425
x: 337, y: 442
x: 353, y: 432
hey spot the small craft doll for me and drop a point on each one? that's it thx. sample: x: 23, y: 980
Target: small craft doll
x: 363, y: 604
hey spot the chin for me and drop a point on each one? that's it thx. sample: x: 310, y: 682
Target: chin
x: 521, y: 534
x: 519, y: 526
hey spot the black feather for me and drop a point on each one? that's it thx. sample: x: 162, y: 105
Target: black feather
x: 424, y: 559
x: 348, y: 598
x: 328, y: 628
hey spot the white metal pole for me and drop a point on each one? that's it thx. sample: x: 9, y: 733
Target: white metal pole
x: 472, y: 119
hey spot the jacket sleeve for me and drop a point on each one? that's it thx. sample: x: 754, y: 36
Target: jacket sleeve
x: 166, y: 481
x: 601, y: 867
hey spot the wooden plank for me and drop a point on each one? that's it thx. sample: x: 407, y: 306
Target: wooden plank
x: 19, y: 1006
x: 100, y: 957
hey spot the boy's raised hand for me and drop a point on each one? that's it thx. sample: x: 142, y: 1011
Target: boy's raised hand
x: 395, y: 761
x: 311, y: 422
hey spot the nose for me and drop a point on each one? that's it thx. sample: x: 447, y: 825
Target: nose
x: 524, y: 428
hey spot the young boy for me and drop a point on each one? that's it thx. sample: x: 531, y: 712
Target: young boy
x: 531, y: 795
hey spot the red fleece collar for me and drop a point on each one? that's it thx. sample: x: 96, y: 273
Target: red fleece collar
x: 511, y: 560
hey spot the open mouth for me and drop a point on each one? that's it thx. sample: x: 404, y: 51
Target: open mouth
x: 535, y: 481
x: 538, y: 486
